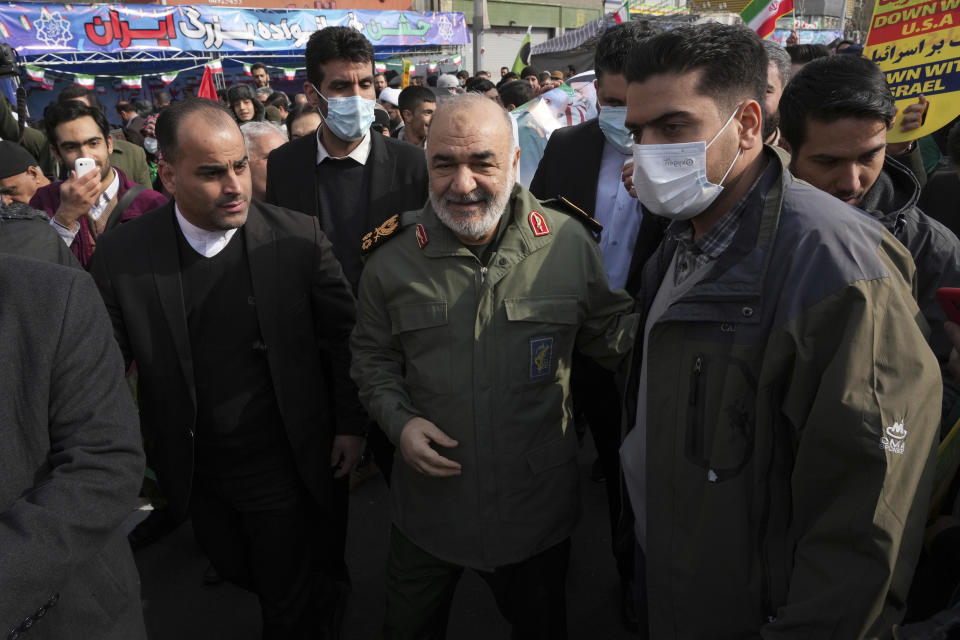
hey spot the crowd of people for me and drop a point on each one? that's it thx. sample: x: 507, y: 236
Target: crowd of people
x: 728, y: 277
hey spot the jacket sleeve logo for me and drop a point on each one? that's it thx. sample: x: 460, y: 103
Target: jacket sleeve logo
x: 541, y: 356
x: 895, y: 439
x: 538, y: 224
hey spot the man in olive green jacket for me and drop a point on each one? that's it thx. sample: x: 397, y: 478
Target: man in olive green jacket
x: 786, y: 406
x: 466, y: 325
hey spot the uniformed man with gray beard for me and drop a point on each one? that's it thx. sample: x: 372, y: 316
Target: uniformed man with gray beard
x: 467, y: 320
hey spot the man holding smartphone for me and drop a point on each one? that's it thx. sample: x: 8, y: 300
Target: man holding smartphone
x: 97, y: 196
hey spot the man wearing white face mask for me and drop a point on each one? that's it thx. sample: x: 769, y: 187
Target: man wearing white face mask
x: 351, y: 180
x: 783, y: 402
x: 583, y: 164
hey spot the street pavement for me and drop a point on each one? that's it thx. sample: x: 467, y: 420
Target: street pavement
x: 177, y: 605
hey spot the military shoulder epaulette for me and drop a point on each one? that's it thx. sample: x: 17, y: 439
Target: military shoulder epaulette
x: 562, y: 204
x: 389, y: 228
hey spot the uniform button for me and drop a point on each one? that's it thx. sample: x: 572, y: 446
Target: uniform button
x: 503, y: 261
x: 747, y: 312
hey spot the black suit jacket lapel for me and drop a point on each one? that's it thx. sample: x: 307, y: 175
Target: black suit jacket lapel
x: 264, y: 273
x: 165, y: 259
x: 382, y: 172
x: 592, y: 149
x: 308, y: 184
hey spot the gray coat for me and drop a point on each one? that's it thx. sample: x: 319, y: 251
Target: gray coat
x: 935, y: 249
x: 70, y: 461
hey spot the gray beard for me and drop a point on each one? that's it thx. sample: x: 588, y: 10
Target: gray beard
x: 475, y: 227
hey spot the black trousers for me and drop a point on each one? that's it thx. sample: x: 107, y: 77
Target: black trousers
x: 595, y: 394
x: 267, y: 543
x: 530, y: 594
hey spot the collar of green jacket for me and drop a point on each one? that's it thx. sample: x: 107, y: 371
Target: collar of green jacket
x: 441, y: 241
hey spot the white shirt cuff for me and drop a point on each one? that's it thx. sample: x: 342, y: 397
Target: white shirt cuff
x: 63, y: 232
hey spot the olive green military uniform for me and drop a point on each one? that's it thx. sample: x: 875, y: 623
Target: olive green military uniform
x: 483, y: 351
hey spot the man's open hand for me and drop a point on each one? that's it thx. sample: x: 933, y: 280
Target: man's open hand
x: 415, y: 440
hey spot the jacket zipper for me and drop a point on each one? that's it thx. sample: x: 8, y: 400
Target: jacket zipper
x: 695, y: 424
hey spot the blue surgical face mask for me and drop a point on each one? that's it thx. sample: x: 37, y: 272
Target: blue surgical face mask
x: 348, y: 118
x: 612, y: 121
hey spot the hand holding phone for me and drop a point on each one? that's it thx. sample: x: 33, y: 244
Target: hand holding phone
x: 84, y: 166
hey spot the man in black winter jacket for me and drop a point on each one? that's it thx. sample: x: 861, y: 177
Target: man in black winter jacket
x: 834, y: 117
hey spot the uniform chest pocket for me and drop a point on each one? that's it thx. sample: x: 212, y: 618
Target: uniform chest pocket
x: 539, y: 333
x: 721, y: 416
x: 424, y: 333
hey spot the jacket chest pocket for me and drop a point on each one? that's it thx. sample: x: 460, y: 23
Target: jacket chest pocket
x: 540, y: 330
x: 424, y: 332
x: 721, y: 416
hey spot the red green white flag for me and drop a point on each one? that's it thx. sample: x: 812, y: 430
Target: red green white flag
x: 623, y: 13
x: 380, y: 67
x: 84, y: 81
x: 167, y: 78
x: 457, y: 61
x: 130, y: 82
x: 246, y: 69
x: 762, y: 15
x: 215, y: 66
x: 35, y: 73
x: 289, y: 74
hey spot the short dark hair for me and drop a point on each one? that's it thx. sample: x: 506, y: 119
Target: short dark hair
x: 297, y: 112
x: 831, y: 88
x: 170, y: 119
x: 278, y: 99
x: 478, y: 85
x: 615, y: 45
x: 125, y: 107
x: 463, y: 74
x: 777, y: 55
x: 731, y: 60
x: 529, y: 71
x: 74, y: 92
x: 257, y: 65
x: 804, y: 53
x: 69, y: 110
x: 161, y: 98
x: 516, y: 92
x: 543, y: 77
x: 335, y: 43
x: 412, y: 97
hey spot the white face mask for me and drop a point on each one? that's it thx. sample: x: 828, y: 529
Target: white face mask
x: 671, y: 179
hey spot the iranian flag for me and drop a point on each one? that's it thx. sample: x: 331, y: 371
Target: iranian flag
x: 289, y: 74
x: 168, y: 78
x: 623, y: 13
x: 130, y: 82
x: 380, y: 67
x: 457, y: 61
x: 35, y: 73
x: 47, y: 84
x: 432, y: 66
x: 84, y: 81
x: 215, y: 66
x: 246, y: 69
x: 761, y: 15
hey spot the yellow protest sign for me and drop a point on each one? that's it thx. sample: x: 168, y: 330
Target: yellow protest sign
x: 917, y: 45
x: 407, y: 65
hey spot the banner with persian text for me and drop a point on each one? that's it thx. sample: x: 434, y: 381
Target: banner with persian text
x: 34, y: 28
x: 917, y: 45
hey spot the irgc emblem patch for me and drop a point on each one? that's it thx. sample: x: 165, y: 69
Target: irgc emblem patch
x: 541, y: 356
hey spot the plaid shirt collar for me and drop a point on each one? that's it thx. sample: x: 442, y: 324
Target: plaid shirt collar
x: 714, y: 242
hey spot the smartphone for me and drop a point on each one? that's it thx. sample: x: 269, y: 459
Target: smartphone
x: 949, y: 299
x: 83, y: 166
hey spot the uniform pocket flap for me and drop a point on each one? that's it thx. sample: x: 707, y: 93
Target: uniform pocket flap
x: 553, y: 309
x: 553, y: 454
x: 410, y: 317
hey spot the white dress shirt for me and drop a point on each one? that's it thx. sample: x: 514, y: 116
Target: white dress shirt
x: 206, y: 243
x: 619, y: 214
x: 360, y: 154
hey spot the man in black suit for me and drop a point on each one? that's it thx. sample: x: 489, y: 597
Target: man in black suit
x: 237, y: 315
x: 584, y: 164
x: 350, y: 178
x: 70, y: 464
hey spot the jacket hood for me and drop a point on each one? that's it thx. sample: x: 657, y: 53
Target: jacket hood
x: 892, y: 195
